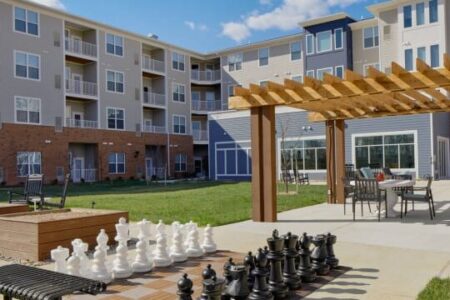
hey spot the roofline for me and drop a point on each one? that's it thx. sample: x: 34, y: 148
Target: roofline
x: 376, y: 8
x: 362, y: 23
x: 324, y: 19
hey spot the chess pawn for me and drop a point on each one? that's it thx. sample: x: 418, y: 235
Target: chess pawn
x: 209, y: 246
x: 237, y: 289
x: 175, y: 225
x: 260, y: 290
x: 80, y: 249
x: 276, y: 284
x: 208, y: 273
x: 73, y: 265
x: 102, y: 241
x: 186, y: 229
x: 319, y: 255
x: 160, y: 229
x: 59, y: 255
x: 121, y: 266
x: 212, y: 289
x: 249, y: 262
x: 99, y: 270
x: 304, y: 269
x: 142, y: 262
x: 194, y: 249
x: 185, y: 288
x: 331, y: 259
x: 177, y: 252
x: 161, y: 257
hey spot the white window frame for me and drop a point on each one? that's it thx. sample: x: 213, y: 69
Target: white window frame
x: 28, y: 154
x: 413, y: 61
x: 259, y: 56
x: 238, y: 54
x: 426, y: 60
x: 174, y: 85
x: 311, y: 72
x: 106, y: 81
x: 297, y: 75
x: 229, y: 89
x: 262, y: 81
x: 173, y: 124
x: 183, y: 160
x: 178, y: 55
x: 116, y: 162
x: 114, y: 38
x: 124, y: 118
x: 373, y: 37
x: 28, y: 121
x: 343, y: 71
x: 236, y: 146
x: 26, y: 22
x: 342, y: 38
x: 415, y: 15
x: 300, y: 51
x: 366, y: 67
x: 403, y: 15
x: 331, y: 41
x: 313, y: 50
x: 322, y: 69
x: 439, y: 55
x: 27, y: 54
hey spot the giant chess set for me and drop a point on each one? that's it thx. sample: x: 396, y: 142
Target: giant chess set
x: 285, y: 268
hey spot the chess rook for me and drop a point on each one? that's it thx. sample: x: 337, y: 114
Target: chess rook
x: 331, y: 259
x: 212, y: 289
x: 319, y: 255
x: 304, y: 270
x: 59, y: 255
x: 260, y: 291
x: 237, y: 289
x: 290, y: 277
x: 142, y: 262
x: 276, y: 284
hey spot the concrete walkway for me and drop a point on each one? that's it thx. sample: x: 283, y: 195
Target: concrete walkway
x: 391, y: 259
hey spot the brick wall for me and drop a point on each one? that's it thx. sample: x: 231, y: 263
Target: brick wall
x: 54, y: 148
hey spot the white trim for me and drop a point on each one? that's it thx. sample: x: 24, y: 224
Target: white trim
x: 106, y: 81
x: 26, y: 21
x: 342, y: 38
x: 264, y: 80
x: 27, y: 53
x: 27, y: 98
x: 173, y: 89
x: 297, y: 75
x: 343, y: 71
x: 234, y: 148
x: 313, y: 44
x: 322, y: 69
x: 373, y: 37
x: 313, y: 73
x: 290, y: 50
x: 447, y: 142
x: 114, y: 36
x: 124, y: 162
x: 268, y: 57
x: 366, y: 66
x: 173, y: 124
x: 124, y: 119
x: 331, y: 42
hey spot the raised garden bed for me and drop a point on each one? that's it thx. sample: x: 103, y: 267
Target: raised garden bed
x: 6, y: 208
x: 32, y: 235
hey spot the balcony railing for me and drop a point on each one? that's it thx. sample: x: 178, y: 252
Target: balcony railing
x: 154, y: 129
x: 81, y: 88
x: 86, y: 175
x: 154, y: 99
x: 200, y: 135
x: 81, y: 123
x: 79, y: 47
x: 210, y: 105
x: 208, y: 75
x: 151, y: 64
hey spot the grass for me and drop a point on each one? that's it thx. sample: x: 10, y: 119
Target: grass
x: 214, y: 203
x: 436, y: 289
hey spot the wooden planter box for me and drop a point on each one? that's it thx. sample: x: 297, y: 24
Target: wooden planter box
x: 6, y: 208
x: 32, y: 235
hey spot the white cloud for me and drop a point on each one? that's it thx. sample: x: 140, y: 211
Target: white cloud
x: 265, y: 2
x: 193, y: 26
x: 51, y: 3
x: 190, y: 24
x: 235, y: 31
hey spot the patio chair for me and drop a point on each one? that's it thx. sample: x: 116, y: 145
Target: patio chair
x: 427, y: 197
x: 349, y: 191
x: 368, y: 190
x: 287, y: 177
x: 302, y: 178
x: 32, y: 189
x: 62, y: 202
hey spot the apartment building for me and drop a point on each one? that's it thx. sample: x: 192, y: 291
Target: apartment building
x: 400, y: 31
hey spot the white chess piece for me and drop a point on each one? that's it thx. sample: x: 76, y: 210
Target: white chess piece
x: 59, y: 255
x: 208, y: 243
x: 102, y: 240
x: 161, y: 257
x: 73, y: 265
x: 99, y: 270
x: 193, y: 249
x: 79, y: 249
x: 121, y: 266
x: 177, y: 252
x: 142, y: 262
x: 160, y: 229
x: 186, y: 229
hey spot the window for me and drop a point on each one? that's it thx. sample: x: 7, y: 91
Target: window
x: 116, y: 163
x: 116, y: 118
x: 231, y: 90
x: 180, y: 162
x: 366, y: 68
x: 396, y: 151
x: 407, y: 16
x: 114, y: 44
x: 263, y: 55
x: 338, y: 39
x: 178, y: 92
x: 321, y: 72
x: 296, y: 50
x: 323, y: 40
x: 434, y: 54
x: 177, y: 61
x: 26, y: 21
x: 233, y: 158
x: 179, y: 124
x: 263, y: 83
x: 298, y: 78
x: 409, y: 59
x: 339, y: 71
x: 433, y: 10
x: 27, y: 65
x: 371, y: 37
x: 114, y: 81
x: 302, y: 155
x: 309, y: 44
x: 28, y: 163
x: 310, y: 73
x: 422, y: 53
x: 420, y: 13
x: 28, y: 110
x: 235, y: 62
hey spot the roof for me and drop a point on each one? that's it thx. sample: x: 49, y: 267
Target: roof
x: 375, y: 8
x: 363, y: 23
x: 325, y: 19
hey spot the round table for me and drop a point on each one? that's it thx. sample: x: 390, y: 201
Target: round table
x: 391, y: 195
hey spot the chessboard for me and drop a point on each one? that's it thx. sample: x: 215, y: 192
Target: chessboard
x: 161, y: 283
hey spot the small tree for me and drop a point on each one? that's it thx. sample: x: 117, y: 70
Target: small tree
x: 284, y: 152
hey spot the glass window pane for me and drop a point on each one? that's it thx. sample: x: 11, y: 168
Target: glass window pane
x: 21, y: 59
x: 310, y: 159
x: 264, y: 52
x: 32, y: 28
x: 118, y: 40
x: 321, y: 159
x: 310, y: 44
x: 119, y: 87
x: 362, y: 157
x: 339, y: 72
x: 121, y: 168
x: 119, y: 50
x: 286, y: 161
x: 21, y: 71
x: 20, y: 25
x: 407, y: 156
x: 242, y: 161
x: 420, y: 13
x: 120, y: 157
x: 422, y: 53
x: 110, y: 48
x: 109, y: 38
x: 34, y: 117
x: 20, y: 13
x: 376, y: 36
x: 298, y: 159
x: 231, y: 161
x: 323, y: 41
x: 391, y: 157
x: 120, y: 124
x: 111, y: 86
x: 376, y: 155
x: 33, y: 73
x: 22, y: 116
x: 434, y: 53
x: 338, y: 36
x: 119, y: 114
x: 433, y: 11
x: 407, y: 16
x: 409, y: 59
x: 368, y: 37
x: 32, y: 17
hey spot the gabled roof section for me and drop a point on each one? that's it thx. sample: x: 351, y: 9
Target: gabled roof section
x: 325, y: 19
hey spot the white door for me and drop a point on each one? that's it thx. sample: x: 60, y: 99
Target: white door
x: 149, y: 168
x: 195, y: 71
x: 77, y: 169
x: 77, y: 83
x: 77, y: 118
x: 443, y: 153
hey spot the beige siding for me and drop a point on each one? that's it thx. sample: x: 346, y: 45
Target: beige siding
x: 361, y: 56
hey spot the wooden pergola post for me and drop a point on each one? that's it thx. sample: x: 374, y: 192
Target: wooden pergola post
x: 331, y: 163
x: 263, y: 164
x: 340, y: 160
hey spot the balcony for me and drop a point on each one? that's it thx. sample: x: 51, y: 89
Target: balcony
x: 208, y: 76
x: 152, y: 65
x: 200, y: 135
x: 80, y: 88
x: 78, y: 47
x: 154, y: 129
x: 84, y: 175
x: 154, y: 99
x: 81, y: 123
x: 206, y: 106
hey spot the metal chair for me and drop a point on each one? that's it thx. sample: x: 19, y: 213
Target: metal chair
x: 349, y: 191
x: 368, y: 190
x: 62, y: 201
x: 302, y: 178
x: 427, y: 197
x: 33, y: 188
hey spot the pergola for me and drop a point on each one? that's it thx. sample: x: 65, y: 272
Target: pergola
x: 334, y: 100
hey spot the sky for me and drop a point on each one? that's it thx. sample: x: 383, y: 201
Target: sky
x: 209, y: 25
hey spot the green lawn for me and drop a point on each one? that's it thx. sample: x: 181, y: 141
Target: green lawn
x: 214, y: 203
x: 436, y: 289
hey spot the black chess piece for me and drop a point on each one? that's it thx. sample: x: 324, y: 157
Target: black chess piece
x: 228, y: 277
x: 290, y: 277
x: 212, y: 288
x: 237, y: 289
x: 304, y: 270
x: 249, y: 262
x: 260, y: 289
x: 319, y: 255
x: 184, y: 288
x: 297, y: 259
x: 208, y: 272
x: 276, y: 284
x: 331, y: 259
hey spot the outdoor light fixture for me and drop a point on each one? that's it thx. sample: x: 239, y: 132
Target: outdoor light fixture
x: 48, y: 141
x: 307, y: 128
